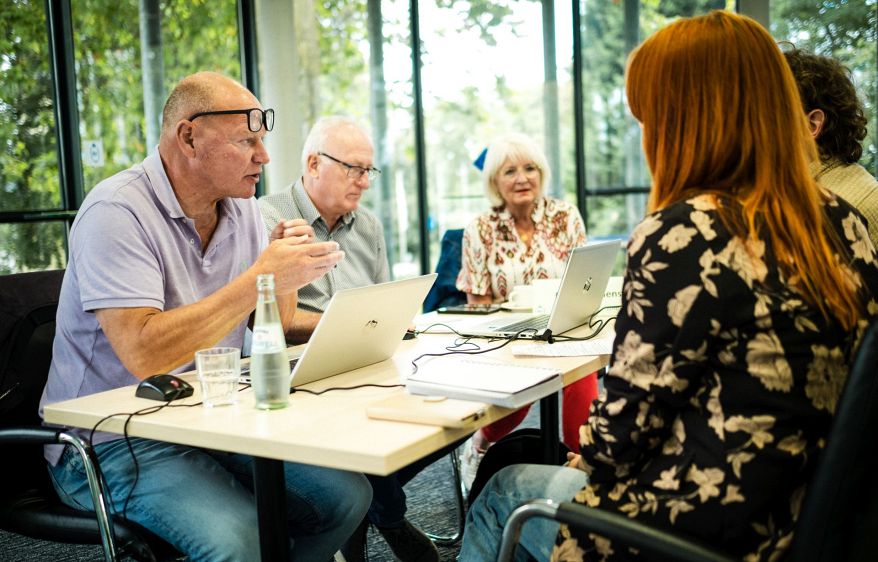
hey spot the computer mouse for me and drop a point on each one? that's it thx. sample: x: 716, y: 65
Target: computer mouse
x: 163, y: 387
x: 409, y: 335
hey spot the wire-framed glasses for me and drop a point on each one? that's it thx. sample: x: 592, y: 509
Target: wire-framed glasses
x: 354, y: 172
x: 256, y: 118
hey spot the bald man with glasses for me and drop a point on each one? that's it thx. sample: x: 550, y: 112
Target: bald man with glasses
x: 163, y: 261
x: 337, y: 170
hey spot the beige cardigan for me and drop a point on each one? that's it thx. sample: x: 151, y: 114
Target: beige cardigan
x: 855, y: 185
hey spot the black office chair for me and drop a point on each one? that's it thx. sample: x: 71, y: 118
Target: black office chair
x: 29, y: 504
x: 839, y: 517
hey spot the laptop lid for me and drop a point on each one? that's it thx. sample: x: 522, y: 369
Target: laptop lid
x: 579, y: 295
x: 360, y: 327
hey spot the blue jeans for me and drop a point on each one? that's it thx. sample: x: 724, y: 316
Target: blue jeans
x: 504, y: 492
x: 202, y: 501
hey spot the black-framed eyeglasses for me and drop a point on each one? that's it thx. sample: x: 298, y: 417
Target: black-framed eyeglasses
x: 354, y: 172
x: 256, y: 118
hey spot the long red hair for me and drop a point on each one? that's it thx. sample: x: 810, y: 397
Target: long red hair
x: 721, y: 114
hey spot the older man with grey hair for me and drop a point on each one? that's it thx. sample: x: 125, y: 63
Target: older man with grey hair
x: 337, y: 168
x: 337, y: 164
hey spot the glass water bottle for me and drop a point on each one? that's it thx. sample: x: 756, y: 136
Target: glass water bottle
x: 269, y: 367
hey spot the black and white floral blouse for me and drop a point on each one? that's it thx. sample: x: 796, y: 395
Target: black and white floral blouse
x: 721, y: 388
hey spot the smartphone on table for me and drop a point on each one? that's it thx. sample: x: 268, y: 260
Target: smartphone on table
x: 469, y: 309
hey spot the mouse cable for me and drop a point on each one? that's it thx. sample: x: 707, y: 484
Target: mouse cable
x: 477, y: 351
x: 424, y: 331
x: 463, y: 344
x: 366, y: 385
x: 129, y: 415
x: 467, y: 339
x: 601, y: 324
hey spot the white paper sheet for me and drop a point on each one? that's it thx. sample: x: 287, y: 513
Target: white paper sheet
x: 479, y: 374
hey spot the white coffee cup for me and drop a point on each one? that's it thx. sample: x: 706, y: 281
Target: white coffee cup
x: 544, y: 292
x: 521, y: 296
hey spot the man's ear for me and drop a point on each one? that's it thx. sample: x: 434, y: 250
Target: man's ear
x: 313, y: 161
x: 185, y: 138
x: 816, y: 120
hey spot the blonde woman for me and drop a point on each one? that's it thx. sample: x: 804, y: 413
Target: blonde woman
x: 526, y: 235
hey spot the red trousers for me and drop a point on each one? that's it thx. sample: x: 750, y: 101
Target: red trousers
x: 574, y: 412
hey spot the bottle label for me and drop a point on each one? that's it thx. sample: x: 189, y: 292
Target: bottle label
x: 267, y: 339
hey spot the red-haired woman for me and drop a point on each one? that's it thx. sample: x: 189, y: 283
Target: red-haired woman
x: 747, y: 290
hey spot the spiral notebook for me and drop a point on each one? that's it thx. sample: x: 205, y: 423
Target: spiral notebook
x: 465, y: 377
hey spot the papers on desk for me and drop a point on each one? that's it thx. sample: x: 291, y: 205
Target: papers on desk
x: 602, y: 346
x: 434, y: 323
x: 473, y: 378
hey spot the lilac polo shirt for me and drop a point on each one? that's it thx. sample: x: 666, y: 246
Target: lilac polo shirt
x: 131, y: 246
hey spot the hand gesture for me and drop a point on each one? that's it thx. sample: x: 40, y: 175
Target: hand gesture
x: 296, y: 263
x: 292, y: 228
x: 294, y: 257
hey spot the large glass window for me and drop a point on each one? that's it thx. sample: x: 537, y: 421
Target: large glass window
x: 354, y: 59
x: 32, y: 246
x: 129, y: 55
x: 29, y: 179
x: 28, y: 160
x: 488, y: 67
x: 615, y: 169
x: 845, y: 30
x: 483, y: 76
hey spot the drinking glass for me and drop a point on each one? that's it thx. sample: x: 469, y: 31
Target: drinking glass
x: 218, y: 370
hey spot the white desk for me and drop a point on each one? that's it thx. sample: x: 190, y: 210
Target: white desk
x: 329, y: 430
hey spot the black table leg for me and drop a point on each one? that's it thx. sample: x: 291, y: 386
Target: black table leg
x: 271, y: 505
x: 549, y: 427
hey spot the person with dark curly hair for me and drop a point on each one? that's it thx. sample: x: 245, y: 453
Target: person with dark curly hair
x: 838, y: 124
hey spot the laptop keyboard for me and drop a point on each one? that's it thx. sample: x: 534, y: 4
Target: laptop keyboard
x: 245, y: 371
x: 537, y: 323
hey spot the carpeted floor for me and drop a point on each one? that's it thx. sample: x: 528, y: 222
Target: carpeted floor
x: 431, y: 506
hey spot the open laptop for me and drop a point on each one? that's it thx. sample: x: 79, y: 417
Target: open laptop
x: 579, y: 296
x: 359, y: 327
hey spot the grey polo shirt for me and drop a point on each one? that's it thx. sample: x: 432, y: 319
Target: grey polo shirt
x: 131, y: 246
x: 359, y: 234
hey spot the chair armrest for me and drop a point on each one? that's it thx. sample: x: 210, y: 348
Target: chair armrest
x: 30, y: 435
x: 611, y: 525
x: 37, y: 435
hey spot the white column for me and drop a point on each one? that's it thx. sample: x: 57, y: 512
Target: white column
x: 278, y: 79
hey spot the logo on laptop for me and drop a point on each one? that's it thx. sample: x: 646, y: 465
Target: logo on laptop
x: 372, y: 324
x: 587, y: 286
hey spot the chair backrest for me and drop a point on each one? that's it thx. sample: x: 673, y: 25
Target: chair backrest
x: 839, y: 519
x: 444, y: 291
x: 28, y: 302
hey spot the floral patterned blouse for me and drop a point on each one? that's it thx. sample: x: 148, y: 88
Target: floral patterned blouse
x: 721, y: 388
x: 495, y: 259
